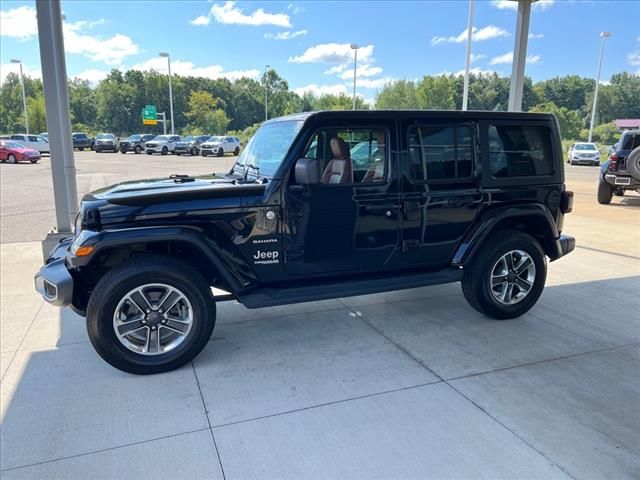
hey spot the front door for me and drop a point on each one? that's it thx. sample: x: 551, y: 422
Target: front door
x: 441, y: 193
x: 349, y: 222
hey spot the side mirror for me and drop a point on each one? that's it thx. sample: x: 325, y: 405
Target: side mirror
x: 308, y: 171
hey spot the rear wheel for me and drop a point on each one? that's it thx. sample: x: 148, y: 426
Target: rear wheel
x: 150, y: 315
x: 12, y: 158
x: 220, y: 152
x: 605, y: 193
x: 507, y: 279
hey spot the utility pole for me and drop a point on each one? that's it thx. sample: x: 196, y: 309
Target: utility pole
x: 603, y: 35
x: 24, y: 95
x: 355, y: 48
x: 165, y: 54
x: 465, y: 94
x: 266, y: 93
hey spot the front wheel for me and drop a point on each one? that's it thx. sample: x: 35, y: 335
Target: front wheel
x: 236, y: 152
x: 150, y: 315
x: 81, y: 148
x: 35, y: 160
x: 137, y: 150
x: 12, y: 158
x: 220, y: 152
x: 507, y: 279
x: 164, y: 151
x: 194, y: 151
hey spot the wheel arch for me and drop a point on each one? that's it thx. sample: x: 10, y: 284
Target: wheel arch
x: 535, y: 220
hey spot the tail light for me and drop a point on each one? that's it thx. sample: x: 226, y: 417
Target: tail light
x: 613, y: 164
x: 566, y: 202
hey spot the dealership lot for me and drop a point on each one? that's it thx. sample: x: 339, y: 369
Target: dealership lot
x: 410, y: 384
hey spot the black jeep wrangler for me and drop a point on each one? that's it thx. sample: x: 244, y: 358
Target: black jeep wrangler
x: 319, y: 205
x: 621, y: 172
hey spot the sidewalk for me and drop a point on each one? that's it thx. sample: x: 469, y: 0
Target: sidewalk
x: 411, y: 384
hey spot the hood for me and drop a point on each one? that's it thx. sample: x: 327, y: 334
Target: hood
x: 225, y: 192
x: 25, y: 151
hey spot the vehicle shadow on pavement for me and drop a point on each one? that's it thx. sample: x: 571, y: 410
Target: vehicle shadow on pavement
x: 65, y: 402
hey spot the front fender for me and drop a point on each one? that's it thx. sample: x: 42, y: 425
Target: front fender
x: 231, y: 267
x: 490, y: 219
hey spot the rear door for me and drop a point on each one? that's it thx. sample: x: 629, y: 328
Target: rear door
x: 440, y: 193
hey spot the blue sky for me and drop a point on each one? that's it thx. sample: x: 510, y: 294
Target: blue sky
x: 308, y: 42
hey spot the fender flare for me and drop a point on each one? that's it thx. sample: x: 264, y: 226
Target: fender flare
x: 194, y: 236
x: 487, y: 222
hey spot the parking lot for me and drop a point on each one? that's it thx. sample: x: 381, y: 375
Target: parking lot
x: 409, y: 384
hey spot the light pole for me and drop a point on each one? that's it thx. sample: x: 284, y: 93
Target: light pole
x: 266, y: 93
x: 603, y: 35
x: 465, y: 94
x: 355, y: 48
x: 24, y: 95
x: 165, y: 54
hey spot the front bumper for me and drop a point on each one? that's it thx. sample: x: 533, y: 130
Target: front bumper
x: 157, y: 149
x: 184, y: 149
x: 585, y: 161
x: 53, y: 281
x: 209, y: 150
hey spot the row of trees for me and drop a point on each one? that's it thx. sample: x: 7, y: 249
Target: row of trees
x: 203, y: 105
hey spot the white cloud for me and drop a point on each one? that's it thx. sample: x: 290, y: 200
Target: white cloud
x: 201, y: 20
x: 285, y: 35
x: 535, y: 36
x: 333, y: 53
x: 321, y: 89
x: 19, y: 23
x: 511, y: 5
x: 229, y: 14
x: 634, y: 60
x: 363, y: 71
x: 508, y: 58
x: 188, y: 69
x: 475, y: 58
x: 110, y: 50
x: 336, y: 69
x: 373, y: 83
x: 295, y: 9
x: 93, y: 75
x: 477, y: 35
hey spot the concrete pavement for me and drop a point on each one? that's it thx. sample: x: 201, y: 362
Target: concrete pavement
x: 410, y: 384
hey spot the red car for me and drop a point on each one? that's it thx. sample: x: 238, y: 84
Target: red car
x: 14, y: 152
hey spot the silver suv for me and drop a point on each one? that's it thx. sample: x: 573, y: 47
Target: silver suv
x: 220, y: 145
x: 162, y: 144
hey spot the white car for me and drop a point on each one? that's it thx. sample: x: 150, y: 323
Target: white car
x: 162, y: 144
x: 35, y: 142
x: 220, y: 145
x: 583, y: 153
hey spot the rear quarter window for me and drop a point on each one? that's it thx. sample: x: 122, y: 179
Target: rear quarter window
x: 520, y: 151
x: 630, y: 141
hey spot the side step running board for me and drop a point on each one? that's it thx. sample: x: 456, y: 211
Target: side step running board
x: 269, y: 296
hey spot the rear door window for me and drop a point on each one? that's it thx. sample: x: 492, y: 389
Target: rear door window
x: 520, y: 151
x: 440, y: 152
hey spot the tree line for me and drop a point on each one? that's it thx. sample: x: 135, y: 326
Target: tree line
x: 219, y: 106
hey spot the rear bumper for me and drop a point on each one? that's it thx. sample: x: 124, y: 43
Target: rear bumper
x: 617, y: 180
x: 53, y: 281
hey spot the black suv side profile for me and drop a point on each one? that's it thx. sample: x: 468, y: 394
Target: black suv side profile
x: 318, y: 205
x: 135, y: 143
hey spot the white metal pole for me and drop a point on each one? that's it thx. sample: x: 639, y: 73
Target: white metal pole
x: 170, y: 95
x: 519, y: 56
x: 603, y: 35
x: 24, y: 101
x: 266, y: 94
x: 465, y: 94
x: 56, y: 96
x: 355, y: 67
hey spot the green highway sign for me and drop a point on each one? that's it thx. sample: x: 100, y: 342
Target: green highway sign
x: 149, y: 115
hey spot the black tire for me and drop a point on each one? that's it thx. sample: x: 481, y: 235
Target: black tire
x: 194, y: 151
x: 149, y: 152
x: 236, y: 152
x: 137, y: 272
x: 476, y: 282
x: 81, y: 148
x: 137, y: 150
x: 34, y: 160
x: 220, y: 152
x: 164, y: 151
x: 605, y: 193
x: 98, y: 150
x: 12, y: 158
x: 633, y: 163
x: 124, y: 152
x: 204, y: 154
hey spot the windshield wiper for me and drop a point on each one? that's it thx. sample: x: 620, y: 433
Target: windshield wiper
x: 246, y: 172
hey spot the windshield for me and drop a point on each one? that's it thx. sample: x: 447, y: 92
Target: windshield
x: 161, y: 138
x: 214, y: 139
x: 13, y: 145
x: 105, y: 136
x: 585, y: 146
x: 134, y: 138
x: 268, y: 147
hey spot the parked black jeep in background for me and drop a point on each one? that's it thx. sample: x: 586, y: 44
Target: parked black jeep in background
x: 434, y: 197
x: 135, y: 143
x: 621, y: 172
x: 82, y: 141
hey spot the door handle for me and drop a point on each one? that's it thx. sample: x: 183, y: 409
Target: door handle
x: 460, y: 202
